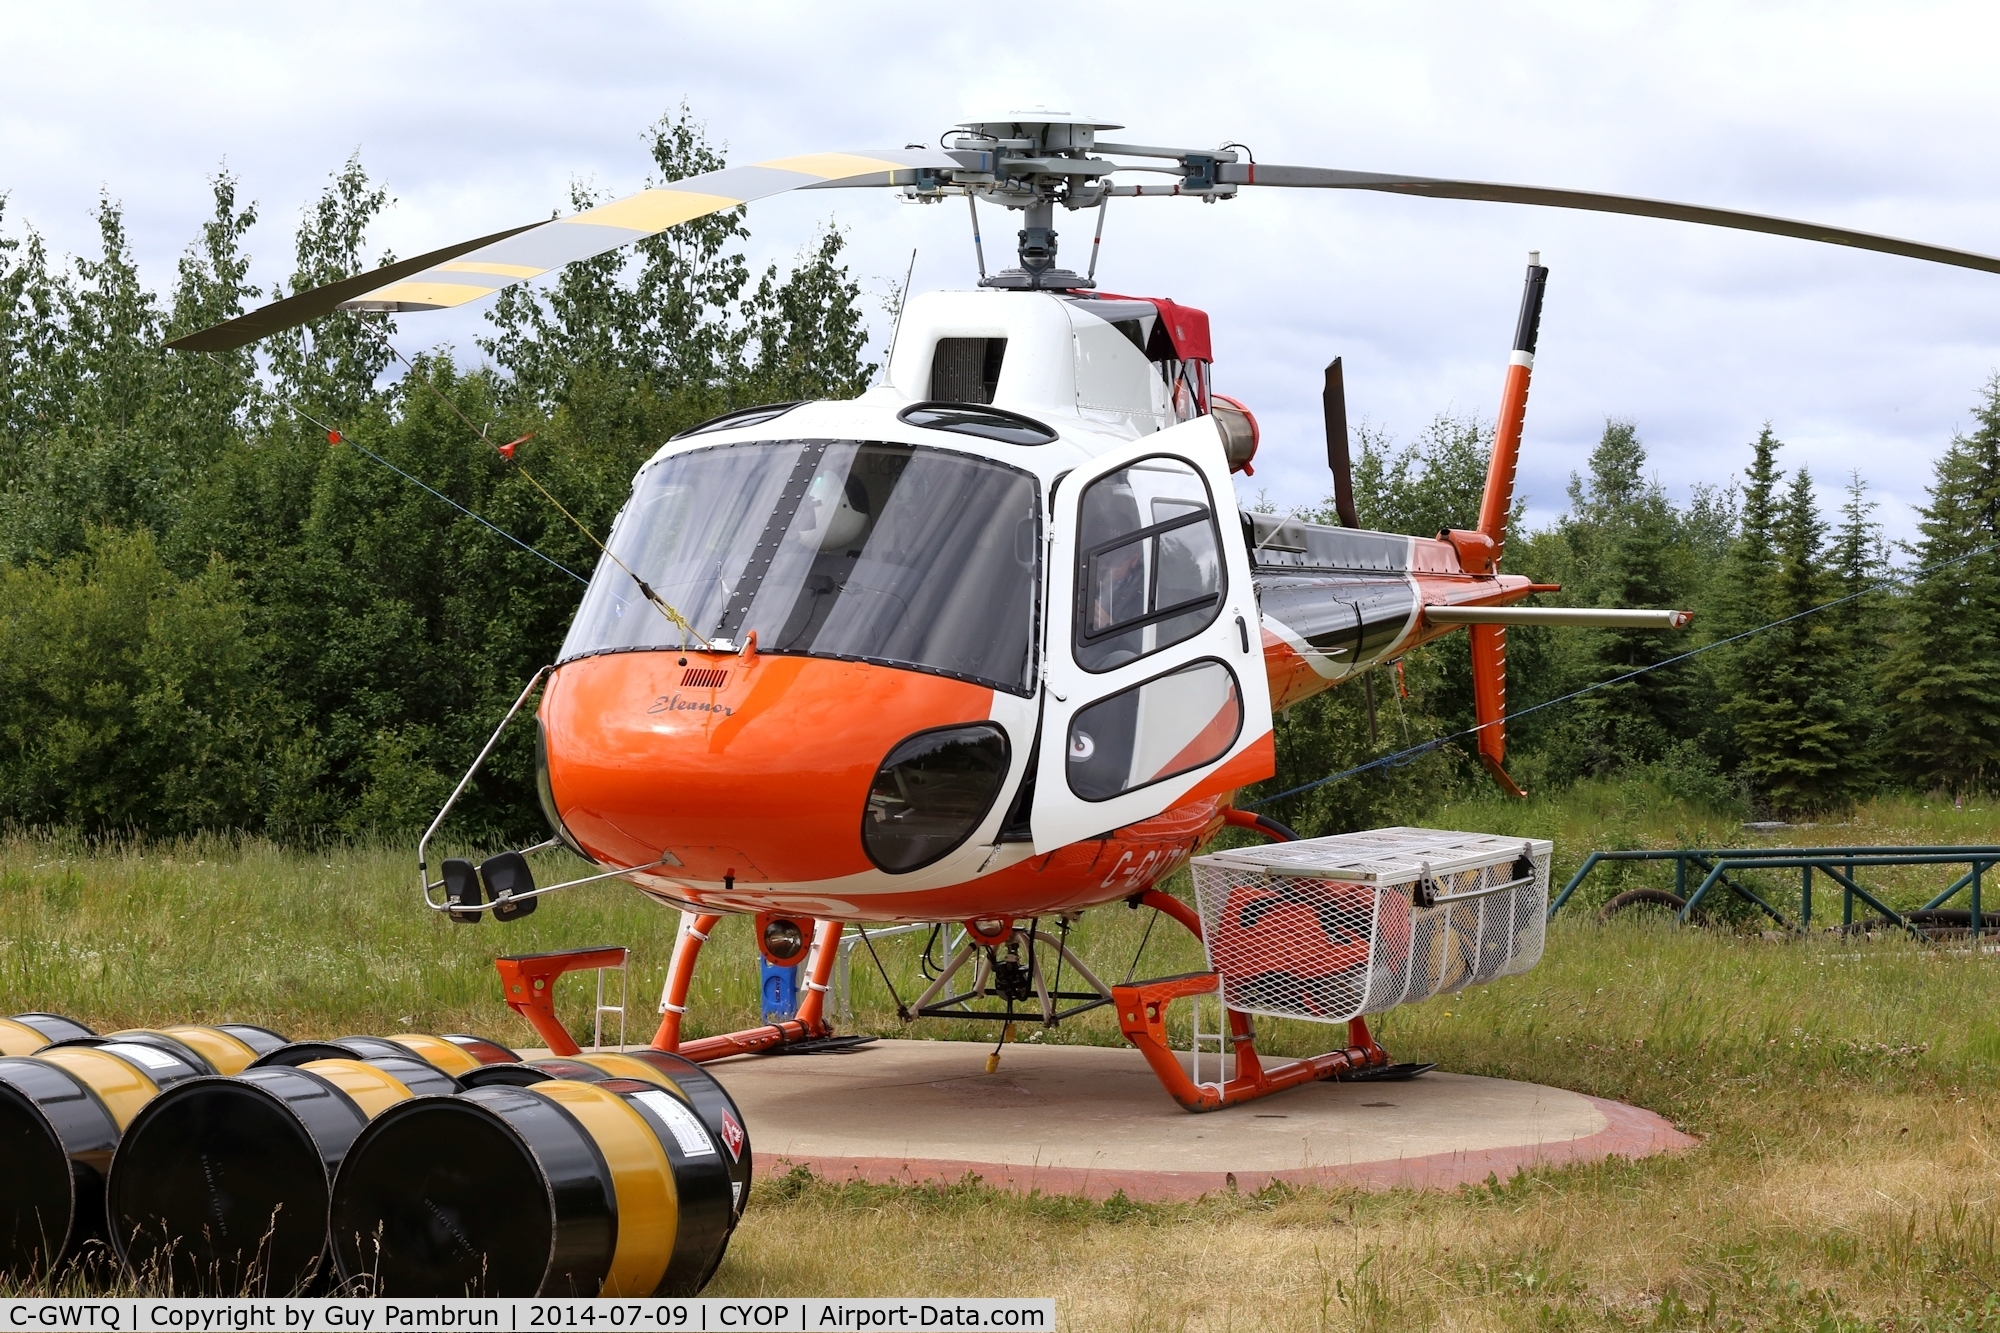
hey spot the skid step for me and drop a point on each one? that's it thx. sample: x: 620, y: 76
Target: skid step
x: 821, y: 1046
x: 1397, y: 1073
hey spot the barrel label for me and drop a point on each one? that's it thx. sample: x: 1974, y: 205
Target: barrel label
x: 688, y: 1131
x: 144, y: 1055
x: 732, y: 1137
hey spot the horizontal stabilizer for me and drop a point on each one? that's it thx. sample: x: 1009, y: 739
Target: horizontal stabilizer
x: 1592, y: 617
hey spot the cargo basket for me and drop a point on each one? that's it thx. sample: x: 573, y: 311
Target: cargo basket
x: 1332, y: 928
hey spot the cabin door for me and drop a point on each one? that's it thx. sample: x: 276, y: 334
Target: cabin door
x: 1153, y: 663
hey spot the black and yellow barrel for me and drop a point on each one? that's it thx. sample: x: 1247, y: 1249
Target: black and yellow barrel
x: 24, y: 1034
x: 295, y: 1053
x: 711, y: 1101
x: 56, y: 1140
x: 703, y: 1193
x: 226, y: 1049
x: 562, y: 1188
x: 704, y: 1151
x: 220, y: 1185
x: 679, y: 1075
x: 61, y: 1113
x: 484, y: 1049
x: 455, y: 1055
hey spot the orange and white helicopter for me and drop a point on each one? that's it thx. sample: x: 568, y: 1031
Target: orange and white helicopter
x: 992, y: 642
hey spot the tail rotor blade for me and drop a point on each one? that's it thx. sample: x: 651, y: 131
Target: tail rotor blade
x: 1333, y: 401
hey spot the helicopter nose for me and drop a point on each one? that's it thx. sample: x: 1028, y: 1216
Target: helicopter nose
x: 755, y: 769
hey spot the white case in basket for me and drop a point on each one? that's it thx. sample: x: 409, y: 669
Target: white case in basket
x: 1332, y: 928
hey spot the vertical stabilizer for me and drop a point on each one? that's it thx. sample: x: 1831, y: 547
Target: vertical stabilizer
x: 1489, y: 701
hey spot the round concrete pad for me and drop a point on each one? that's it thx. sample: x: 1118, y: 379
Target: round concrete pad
x: 1093, y: 1120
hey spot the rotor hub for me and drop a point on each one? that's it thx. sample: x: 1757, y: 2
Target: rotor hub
x: 1037, y: 159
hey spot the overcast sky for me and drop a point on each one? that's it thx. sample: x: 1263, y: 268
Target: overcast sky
x: 476, y: 117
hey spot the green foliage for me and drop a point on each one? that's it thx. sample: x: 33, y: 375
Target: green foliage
x: 129, y: 697
x: 1330, y: 731
x: 1430, y: 484
x: 1943, y: 676
x: 1796, y: 721
x: 671, y: 327
x: 330, y: 366
x: 218, y: 619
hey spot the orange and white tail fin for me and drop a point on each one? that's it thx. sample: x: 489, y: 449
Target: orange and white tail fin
x: 1489, y: 642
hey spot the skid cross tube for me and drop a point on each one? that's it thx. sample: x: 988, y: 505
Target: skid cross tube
x: 1836, y: 863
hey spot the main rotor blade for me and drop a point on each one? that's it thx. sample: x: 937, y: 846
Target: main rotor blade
x: 1326, y: 178
x: 459, y: 274
x: 310, y: 305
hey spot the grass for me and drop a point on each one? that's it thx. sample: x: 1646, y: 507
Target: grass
x: 1843, y: 1091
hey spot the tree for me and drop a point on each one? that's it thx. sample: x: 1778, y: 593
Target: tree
x: 211, y: 393
x: 807, y: 330
x: 1942, y: 677
x: 330, y: 367
x: 666, y: 329
x: 37, y: 387
x: 1862, y: 623
x: 1434, y: 482
x: 1795, y: 721
x: 130, y: 698
x: 1627, y: 549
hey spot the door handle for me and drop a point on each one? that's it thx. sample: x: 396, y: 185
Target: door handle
x: 1243, y: 632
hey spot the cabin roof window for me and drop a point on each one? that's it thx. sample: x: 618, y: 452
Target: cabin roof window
x: 987, y: 423
x: 742, y: 416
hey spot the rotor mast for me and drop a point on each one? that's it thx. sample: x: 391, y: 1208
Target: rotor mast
x: 1038, y: 159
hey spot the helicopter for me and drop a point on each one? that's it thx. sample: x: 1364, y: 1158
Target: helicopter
x: 991, y: 643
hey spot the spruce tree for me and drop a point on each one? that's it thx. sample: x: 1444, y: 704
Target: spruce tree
x: 1942, y: 679
x: 1859, y: 567
x: 1794, y: 720
x: 1626, y: 537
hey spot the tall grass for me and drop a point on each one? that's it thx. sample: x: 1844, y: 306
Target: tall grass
x: 1842, y: 1088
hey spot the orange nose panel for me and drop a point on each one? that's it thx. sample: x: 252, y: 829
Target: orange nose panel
x: 759, y: 768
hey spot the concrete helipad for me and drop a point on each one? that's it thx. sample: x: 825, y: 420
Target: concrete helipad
x: 1093, y: 1120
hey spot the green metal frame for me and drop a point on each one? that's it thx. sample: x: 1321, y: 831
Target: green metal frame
x: 1836, y: 863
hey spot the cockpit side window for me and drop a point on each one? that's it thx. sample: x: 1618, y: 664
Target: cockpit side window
x: 1149, y: 563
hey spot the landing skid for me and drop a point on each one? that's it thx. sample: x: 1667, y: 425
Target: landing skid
x: 1141, y: 1007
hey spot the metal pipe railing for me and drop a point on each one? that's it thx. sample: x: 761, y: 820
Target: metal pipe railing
x: 1838, y: 864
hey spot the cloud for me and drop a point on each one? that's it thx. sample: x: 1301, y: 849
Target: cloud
x: 476, y: 117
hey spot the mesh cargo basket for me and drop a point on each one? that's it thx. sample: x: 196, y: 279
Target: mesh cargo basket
x: 1332, y: 928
